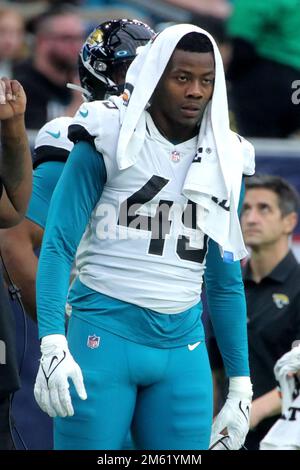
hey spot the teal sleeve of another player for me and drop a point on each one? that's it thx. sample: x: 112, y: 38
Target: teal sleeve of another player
x: 77, y: 192
x: 45, y: 178
x: 228, y: 311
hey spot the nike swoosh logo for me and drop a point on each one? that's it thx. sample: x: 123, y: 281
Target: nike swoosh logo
x: 84, y: 113
x: 193, y: 346
x: 247, y: 409
x: 48, y: 374
x: 54, y: 358
x: 56, y: 135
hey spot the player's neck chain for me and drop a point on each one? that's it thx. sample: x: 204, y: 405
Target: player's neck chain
x: 175, y: 156
x: 162, y: 132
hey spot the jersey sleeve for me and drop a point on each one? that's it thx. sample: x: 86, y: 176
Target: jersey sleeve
x: 45, y: 178
x: 73, y: 201
x: 227, y: 307
x: 98, y: 123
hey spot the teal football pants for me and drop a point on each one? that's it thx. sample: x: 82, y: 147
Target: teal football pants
x: 163, y: 395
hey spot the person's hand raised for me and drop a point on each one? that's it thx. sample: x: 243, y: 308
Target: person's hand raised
x: 12, y: 99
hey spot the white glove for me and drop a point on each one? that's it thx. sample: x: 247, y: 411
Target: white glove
x: 51, y: 388
x: 233, y: 418
x: 288, y: 363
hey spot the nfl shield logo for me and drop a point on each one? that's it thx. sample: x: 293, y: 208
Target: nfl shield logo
x: 93, y: 341
x: 175, y: 156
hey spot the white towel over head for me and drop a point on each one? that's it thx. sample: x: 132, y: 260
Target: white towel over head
x: 213, y: 181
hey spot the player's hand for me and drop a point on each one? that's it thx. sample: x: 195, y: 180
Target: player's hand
x: 288, y: 364
x: 12, y: 99
x: 51, y: 388
x: 231, y: 425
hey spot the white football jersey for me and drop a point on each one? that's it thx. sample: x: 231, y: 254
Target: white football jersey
x: 55, y: 134
x: 141, y: 244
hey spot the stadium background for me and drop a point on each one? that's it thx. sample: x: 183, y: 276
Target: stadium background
x: 279, y: 157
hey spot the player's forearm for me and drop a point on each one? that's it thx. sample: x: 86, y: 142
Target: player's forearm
x: 60, y: 241
x: 266, y: 406
x: 69, y: 212
x: 229, y: 323
x: 52, y: 284
x: 227, y: 306
x: 16, y: 163
x: 9, y: 216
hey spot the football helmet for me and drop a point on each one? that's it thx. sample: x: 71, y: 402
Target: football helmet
x: 107, y: 54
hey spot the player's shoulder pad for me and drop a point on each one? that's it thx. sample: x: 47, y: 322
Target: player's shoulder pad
x: 94, y: 122
x: 55, y: 134
x: 52, y: 143
x: 248, y: 153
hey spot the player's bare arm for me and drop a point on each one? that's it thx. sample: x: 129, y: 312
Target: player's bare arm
x: 15, y: 161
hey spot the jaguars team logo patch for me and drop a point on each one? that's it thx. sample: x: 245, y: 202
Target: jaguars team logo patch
x: 93, y: 341
x: 280, y: 300
x: 95, y: 38
x: 128, y: 89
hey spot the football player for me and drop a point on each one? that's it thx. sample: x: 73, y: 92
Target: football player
x: 142, y: 247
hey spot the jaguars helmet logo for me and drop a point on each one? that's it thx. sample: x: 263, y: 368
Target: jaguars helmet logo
x: 95, y: 38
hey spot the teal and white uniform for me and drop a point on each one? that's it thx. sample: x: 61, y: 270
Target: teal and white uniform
x: 136, y: 307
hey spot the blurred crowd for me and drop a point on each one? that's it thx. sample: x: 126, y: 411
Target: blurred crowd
x: 259, y: 41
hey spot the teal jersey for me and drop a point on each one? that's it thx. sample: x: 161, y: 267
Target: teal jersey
x: 135, y: 323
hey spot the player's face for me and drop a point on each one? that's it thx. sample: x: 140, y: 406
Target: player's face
x: 119, y: 72
x: 183, y: 92
x: 262, y: 221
